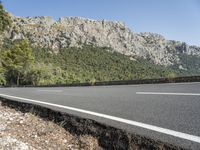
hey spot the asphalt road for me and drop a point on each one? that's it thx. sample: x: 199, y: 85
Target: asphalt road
x: 168, y: 112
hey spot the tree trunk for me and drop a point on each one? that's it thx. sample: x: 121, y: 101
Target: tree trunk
x: 18, y: 75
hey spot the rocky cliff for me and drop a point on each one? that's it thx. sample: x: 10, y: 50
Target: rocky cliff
x: 76, y: 31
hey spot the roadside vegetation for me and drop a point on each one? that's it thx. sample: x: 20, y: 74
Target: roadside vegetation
x: 190, y: 65
x: 5, y: 20
x: 23, y: 65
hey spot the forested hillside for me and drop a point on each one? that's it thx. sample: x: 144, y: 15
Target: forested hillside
x: 23, y: 64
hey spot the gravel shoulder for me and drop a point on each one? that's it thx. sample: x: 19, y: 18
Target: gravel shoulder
x: 25, y: 131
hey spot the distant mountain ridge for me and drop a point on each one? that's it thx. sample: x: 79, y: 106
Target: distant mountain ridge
x: 76, y: 32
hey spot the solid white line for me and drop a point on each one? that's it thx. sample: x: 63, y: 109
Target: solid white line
x: 130, y: 122
x: 181, y: 83
x: 160, y: 93
x: 50, y: 90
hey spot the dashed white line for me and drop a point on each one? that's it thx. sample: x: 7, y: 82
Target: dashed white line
x: 162, y: 93
x: 126, y: 121
x: 49, y: 90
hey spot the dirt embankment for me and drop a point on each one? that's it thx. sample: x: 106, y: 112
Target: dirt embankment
x: 30, y: 127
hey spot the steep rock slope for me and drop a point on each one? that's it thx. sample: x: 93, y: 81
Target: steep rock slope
x: 76, y: 32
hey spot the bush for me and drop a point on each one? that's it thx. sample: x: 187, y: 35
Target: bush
x: 5, y: 19
x: 2, y: 79
x: 43, y: 74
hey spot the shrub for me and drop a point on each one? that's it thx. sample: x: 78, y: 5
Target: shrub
x: 5, y: 19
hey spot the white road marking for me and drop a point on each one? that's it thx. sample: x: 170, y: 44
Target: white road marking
x: 126, y: 121
x: 180, y: 83
x: 160, y: 93
x: 50, y: 90
x: 13, y: 88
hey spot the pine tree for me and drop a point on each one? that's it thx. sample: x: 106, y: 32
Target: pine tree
x: 16, y: 60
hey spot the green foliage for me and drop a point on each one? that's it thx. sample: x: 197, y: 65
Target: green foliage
x: 2, y: 76
x: 16, y: 60
x: 190, y: 65
x: 92, y: 64
x: 5, y: 20
x: 78, y: 65
x: 44, y: 74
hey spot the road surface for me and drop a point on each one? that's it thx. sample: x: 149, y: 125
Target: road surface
x: 168, y: 112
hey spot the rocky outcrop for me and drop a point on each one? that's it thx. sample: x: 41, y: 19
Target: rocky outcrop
x: 76, y: 31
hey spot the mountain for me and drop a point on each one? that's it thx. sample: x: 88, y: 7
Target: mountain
x: 42, y: 51
x: 76, y: 32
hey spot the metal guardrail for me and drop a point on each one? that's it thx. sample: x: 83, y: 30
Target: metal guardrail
x: 121, y: 82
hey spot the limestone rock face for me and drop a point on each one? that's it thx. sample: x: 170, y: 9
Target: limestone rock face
x: 76, y: 31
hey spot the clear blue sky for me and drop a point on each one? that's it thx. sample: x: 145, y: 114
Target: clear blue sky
x: 175, y: 19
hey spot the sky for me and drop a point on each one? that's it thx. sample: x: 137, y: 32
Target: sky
x: 174, y: 19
